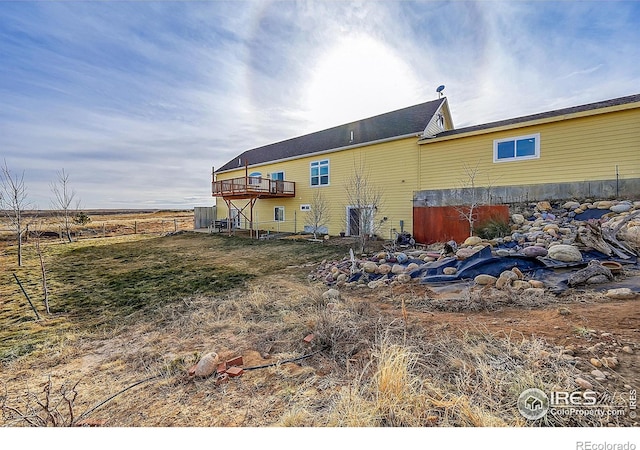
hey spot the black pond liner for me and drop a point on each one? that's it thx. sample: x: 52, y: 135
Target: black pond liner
x: 552, y: 272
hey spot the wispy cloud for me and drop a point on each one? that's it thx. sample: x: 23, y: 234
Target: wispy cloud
x: 138, y: 100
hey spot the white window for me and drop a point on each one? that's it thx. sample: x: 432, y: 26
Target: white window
x: 278, y: 213
x: 517, y: 148
x: 277, y: 176
x: 305, y: 207
x: 254, y: 177
x: 320, y: 173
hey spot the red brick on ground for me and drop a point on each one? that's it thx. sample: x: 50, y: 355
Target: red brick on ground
x: 235, y: 362
x: 222, y: 378
x: 234, y: 371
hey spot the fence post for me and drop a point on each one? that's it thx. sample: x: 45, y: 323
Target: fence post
x: 175, y: 225
x: 104, y: 230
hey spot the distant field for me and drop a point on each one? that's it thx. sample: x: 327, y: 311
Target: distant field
x: 103, y: 223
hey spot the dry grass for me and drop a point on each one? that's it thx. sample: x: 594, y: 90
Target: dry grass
x: 103, y: 284
x: 473, y: 381
x: 203, y: 293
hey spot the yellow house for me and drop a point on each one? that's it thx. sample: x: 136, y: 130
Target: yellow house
x: 276, y: 187
x: 414, y: 157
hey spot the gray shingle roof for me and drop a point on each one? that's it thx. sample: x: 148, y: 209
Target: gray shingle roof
x: 413, y: 119
x: 544, y: 115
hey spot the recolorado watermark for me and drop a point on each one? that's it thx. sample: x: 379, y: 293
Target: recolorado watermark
x: 534, y: 404
x: 588, y: 445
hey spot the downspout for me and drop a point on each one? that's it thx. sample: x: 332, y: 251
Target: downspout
x: 419, y: 178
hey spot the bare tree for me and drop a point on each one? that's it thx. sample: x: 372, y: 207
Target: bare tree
x: 469, y: 196
x: 13, y: 202
x: 472, y: 194
x: 62, y: 202
x: 318, y: 216
x: 364, y: 201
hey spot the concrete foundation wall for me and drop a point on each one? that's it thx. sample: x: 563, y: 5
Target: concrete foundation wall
x: 603, y: 189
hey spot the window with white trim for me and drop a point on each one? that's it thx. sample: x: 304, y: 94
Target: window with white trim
x: 277, y: 176
x: 278, y: 213
x: 517, y: 148
x: 254, y: 177
x: 320, y: 173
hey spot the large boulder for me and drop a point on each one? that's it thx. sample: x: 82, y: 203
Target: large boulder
x: 631, y: 236
x: 506, y: 279
x: 331, y: 295
x: 207, y: 365
x: 534, y: 251
x: 404, y: 278
x: 485, y: 280
x: 565, y: 253
x: 472, y: 240
x: 604, y: 204
x: 621, y: 293
x: 621, y: 207
x: 466, y: 252
x: 370, y: 267
x: 543, y: 206
x: 571, y: 205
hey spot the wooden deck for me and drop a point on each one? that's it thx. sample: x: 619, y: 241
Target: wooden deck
x: 253, y: 187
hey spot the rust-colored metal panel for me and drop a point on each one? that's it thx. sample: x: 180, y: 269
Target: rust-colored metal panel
x: 445, y: 223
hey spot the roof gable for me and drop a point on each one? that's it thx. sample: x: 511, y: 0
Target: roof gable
x: 402, y: 122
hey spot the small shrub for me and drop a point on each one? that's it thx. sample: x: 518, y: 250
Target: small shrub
x: 81, y: 219
x: 494, y: 228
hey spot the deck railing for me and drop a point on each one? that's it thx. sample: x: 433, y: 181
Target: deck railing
x: 250, y: 186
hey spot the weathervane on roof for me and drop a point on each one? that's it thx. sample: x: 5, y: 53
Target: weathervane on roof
x: 439, y: 90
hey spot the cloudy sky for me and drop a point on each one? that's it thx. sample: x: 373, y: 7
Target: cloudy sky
x: 138, y: 100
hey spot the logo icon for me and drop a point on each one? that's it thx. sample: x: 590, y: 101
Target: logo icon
x: 533, y: 403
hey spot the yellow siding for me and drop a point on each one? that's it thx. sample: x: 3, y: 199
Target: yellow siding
x: 574, y: 149
x: 391, y: 167
x: 586, y: 148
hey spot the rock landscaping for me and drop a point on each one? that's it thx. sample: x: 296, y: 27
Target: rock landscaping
x: 557, y: 247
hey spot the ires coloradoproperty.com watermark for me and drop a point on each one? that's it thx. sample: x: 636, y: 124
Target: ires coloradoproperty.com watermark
x: 534, y: 404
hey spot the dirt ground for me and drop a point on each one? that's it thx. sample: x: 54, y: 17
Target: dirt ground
x: 578, y: 322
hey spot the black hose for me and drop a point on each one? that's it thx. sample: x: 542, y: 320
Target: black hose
x: 86, y: 413
x: 283, y: 362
